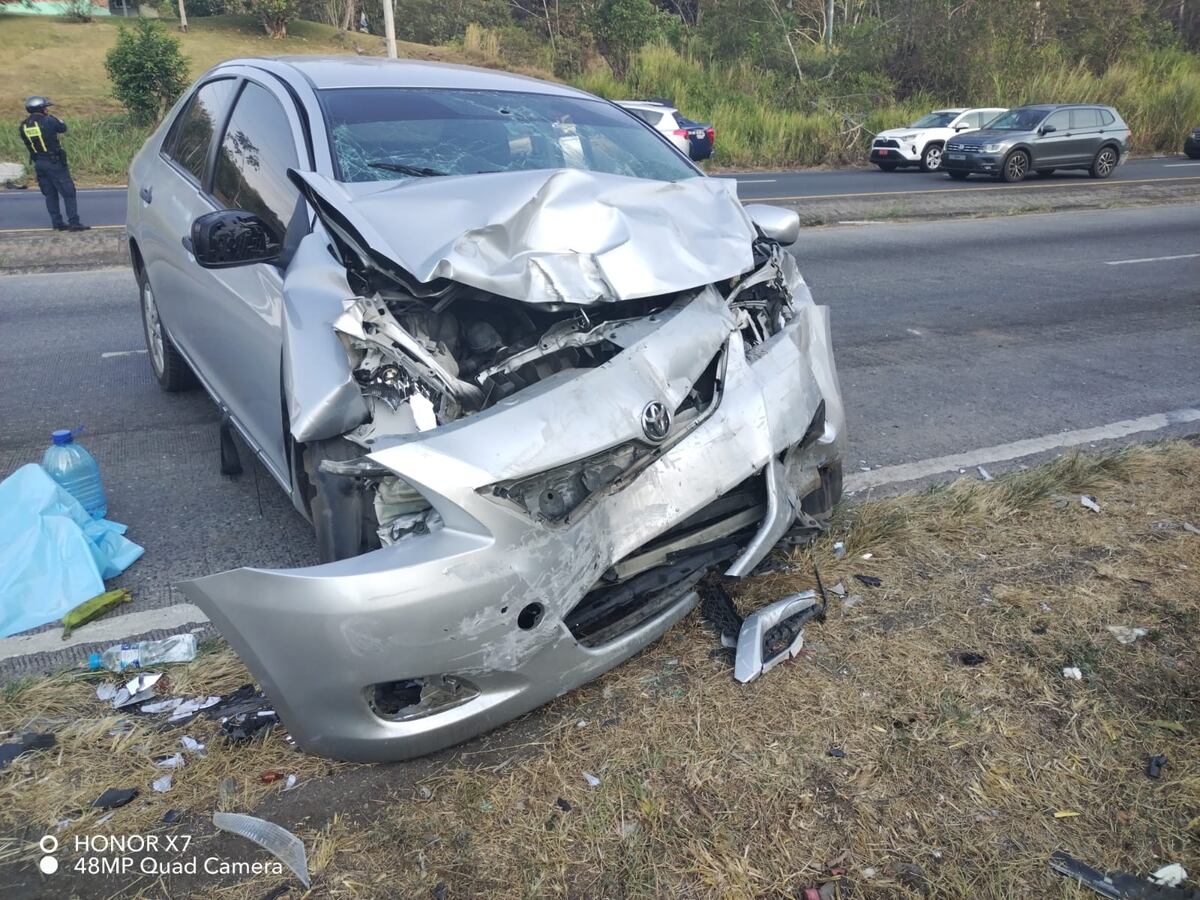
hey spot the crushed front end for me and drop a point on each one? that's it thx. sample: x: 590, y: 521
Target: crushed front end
x: 549, y: 483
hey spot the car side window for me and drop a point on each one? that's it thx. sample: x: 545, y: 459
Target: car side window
x: 1106, y: 117
x: 192, y: 133
x: 1082, y: 119
x: 1061, y: 120
x: 973, y: 120
x: 257, y: 149
x: 649, y: 116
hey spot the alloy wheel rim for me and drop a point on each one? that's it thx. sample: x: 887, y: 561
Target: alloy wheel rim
x: 1104, y: 164
x: 153, y: 327
x: 933, y: 157
x: 1016, y: 165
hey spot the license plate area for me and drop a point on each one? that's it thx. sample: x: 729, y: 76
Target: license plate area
x: 956, y: 156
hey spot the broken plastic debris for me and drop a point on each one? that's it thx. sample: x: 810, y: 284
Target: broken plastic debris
x: 1154, y: 766
x: 137, y: 689
x: 985, y: 474
x: 1073, y: 673
x: 1125, y: 634
x: 27, y: 742
x: 163, y: 784
x: 1121, y: 884
x: 839, y: 589
x: 192, y: 745
x: 114, y: 798
x: 170, y: 817
x: 1170, y: 876
x: 161, y: 705
x: 867, y: 556
x: 591, y: 779
x: 280, y: 842
x: 563, y: 804
x: 106, y: 692
x: 852, y: 601
x: 971, y: 658
x: 870, y: 580
x: 1089, y: 502
x: 839, y: 549
x: 171, y: 762
x: 773, y: 634
x: 1066, y: 814
x: 188, y: 708
x: 836, y: 752
x: 1188, y: 526
x: 290, y: 783
x: 227, y: 789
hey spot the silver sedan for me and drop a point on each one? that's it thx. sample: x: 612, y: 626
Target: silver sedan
x: 528, y: 372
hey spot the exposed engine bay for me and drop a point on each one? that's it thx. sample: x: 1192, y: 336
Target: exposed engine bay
x: 424, y: 362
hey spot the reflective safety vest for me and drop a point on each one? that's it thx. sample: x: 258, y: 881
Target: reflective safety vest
x: 33, y: 134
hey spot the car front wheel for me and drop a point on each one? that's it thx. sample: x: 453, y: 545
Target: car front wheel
x: 1016, y: 167
x: 168, y: 365
x: 931, y: 159
x: 1104, y: 163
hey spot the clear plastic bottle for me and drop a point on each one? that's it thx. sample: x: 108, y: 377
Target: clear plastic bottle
x: 76, y: 470
x: 175, y: 649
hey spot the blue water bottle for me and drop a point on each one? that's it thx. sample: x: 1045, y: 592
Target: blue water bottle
x: 76, y: 470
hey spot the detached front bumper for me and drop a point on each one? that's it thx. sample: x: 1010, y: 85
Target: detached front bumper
x: 492, y: 599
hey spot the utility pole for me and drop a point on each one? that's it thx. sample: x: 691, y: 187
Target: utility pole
x: 182, y: 17
x: 389, y: 27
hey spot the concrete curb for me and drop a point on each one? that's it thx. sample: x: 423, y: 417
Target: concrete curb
x: 40, y: 250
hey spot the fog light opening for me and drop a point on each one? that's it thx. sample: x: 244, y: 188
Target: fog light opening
x: 528, y: 617
x: 415, y: 698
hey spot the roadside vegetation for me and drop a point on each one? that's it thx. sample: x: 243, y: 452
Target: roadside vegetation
x: 925, y: 743
x: 783, y: 85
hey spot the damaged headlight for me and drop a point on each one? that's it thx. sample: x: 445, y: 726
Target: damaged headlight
x: 400, y: 509
x: 555, y: 494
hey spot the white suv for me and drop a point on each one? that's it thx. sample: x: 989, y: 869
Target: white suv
x: 693, y: 139
x: 921, y: 143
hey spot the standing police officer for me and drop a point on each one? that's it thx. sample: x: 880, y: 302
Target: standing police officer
x: 40, y: 133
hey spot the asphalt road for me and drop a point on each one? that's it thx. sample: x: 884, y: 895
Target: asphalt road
x: 106, y: 206
x: 949, y: 336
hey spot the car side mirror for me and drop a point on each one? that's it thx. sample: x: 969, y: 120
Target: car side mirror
x: 232, y: 237
x: 1046, y: 129
x: 777, y: 223
x: 961, y: 126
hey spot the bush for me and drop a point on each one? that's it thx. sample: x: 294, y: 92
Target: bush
x: 147, y: 69
x: 79, y: 10
x: 274, y: 14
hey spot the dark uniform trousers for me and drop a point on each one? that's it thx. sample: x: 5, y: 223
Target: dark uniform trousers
x: 55, y: 180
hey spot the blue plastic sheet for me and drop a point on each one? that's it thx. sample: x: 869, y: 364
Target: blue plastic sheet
x: 53, y: 555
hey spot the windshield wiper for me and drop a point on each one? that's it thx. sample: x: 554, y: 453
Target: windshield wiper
x: 403, y: 169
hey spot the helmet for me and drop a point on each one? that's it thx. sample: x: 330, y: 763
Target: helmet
x: 37, y: 104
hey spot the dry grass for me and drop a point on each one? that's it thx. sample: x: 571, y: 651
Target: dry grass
x: 710, y: 788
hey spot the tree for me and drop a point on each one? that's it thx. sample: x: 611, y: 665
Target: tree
x: 622, y: 28
x: 147, y: 69
x: 274, y: 14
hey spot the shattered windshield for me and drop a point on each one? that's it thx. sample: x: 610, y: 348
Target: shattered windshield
x: 934, y: 120
x: 382, y: 134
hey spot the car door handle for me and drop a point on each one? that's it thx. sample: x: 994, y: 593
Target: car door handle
x: 147, y: 194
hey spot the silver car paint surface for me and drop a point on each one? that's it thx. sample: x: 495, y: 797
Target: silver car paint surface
x: 447, y: 602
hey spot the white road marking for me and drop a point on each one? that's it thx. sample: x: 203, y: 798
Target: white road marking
x: 914, y: 331
x: 1180, y: 165
x: 860, y: 481
x: 113, y: 353
x: 757, y: 180
x: 110, y: 630
x: 1146, y: 259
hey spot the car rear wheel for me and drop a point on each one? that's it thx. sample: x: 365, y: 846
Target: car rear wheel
x: 931, y: 159
x: 1045, y: 173
x: 887, y: 167
x: 1104, y: 163
x: 958, y: 176
x: 169, y: 367
x: 1016, y: 167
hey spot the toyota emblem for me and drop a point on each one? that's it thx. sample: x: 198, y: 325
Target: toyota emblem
x: 656, y: 421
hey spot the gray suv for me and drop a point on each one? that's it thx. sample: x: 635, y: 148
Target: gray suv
x: 1042, y: 139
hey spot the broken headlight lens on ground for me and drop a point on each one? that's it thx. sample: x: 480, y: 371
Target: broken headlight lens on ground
x: 415, y: 698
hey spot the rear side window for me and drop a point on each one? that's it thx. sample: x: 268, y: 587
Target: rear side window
x: 256, y: 151
x: 192, y: 133
x: 1085, y: 118
x: 649, y: 116
x: 1106, y: 117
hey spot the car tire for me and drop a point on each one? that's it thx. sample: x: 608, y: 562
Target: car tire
x: 1105, y: 163
x: 931, y: 159
x: 1016, y: 167
x: 342, y: 510
x: 1193, y: 154
x: 958, y: 176
x: 168, y: 365
x: 887, y: 167
x: 1045, y: 173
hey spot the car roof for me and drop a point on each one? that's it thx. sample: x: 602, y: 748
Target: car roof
x: 1053, y: 106
x: 332, y: 72
x: 645, y: 104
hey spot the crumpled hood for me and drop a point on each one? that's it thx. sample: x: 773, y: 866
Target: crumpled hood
x: 546, y: 236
